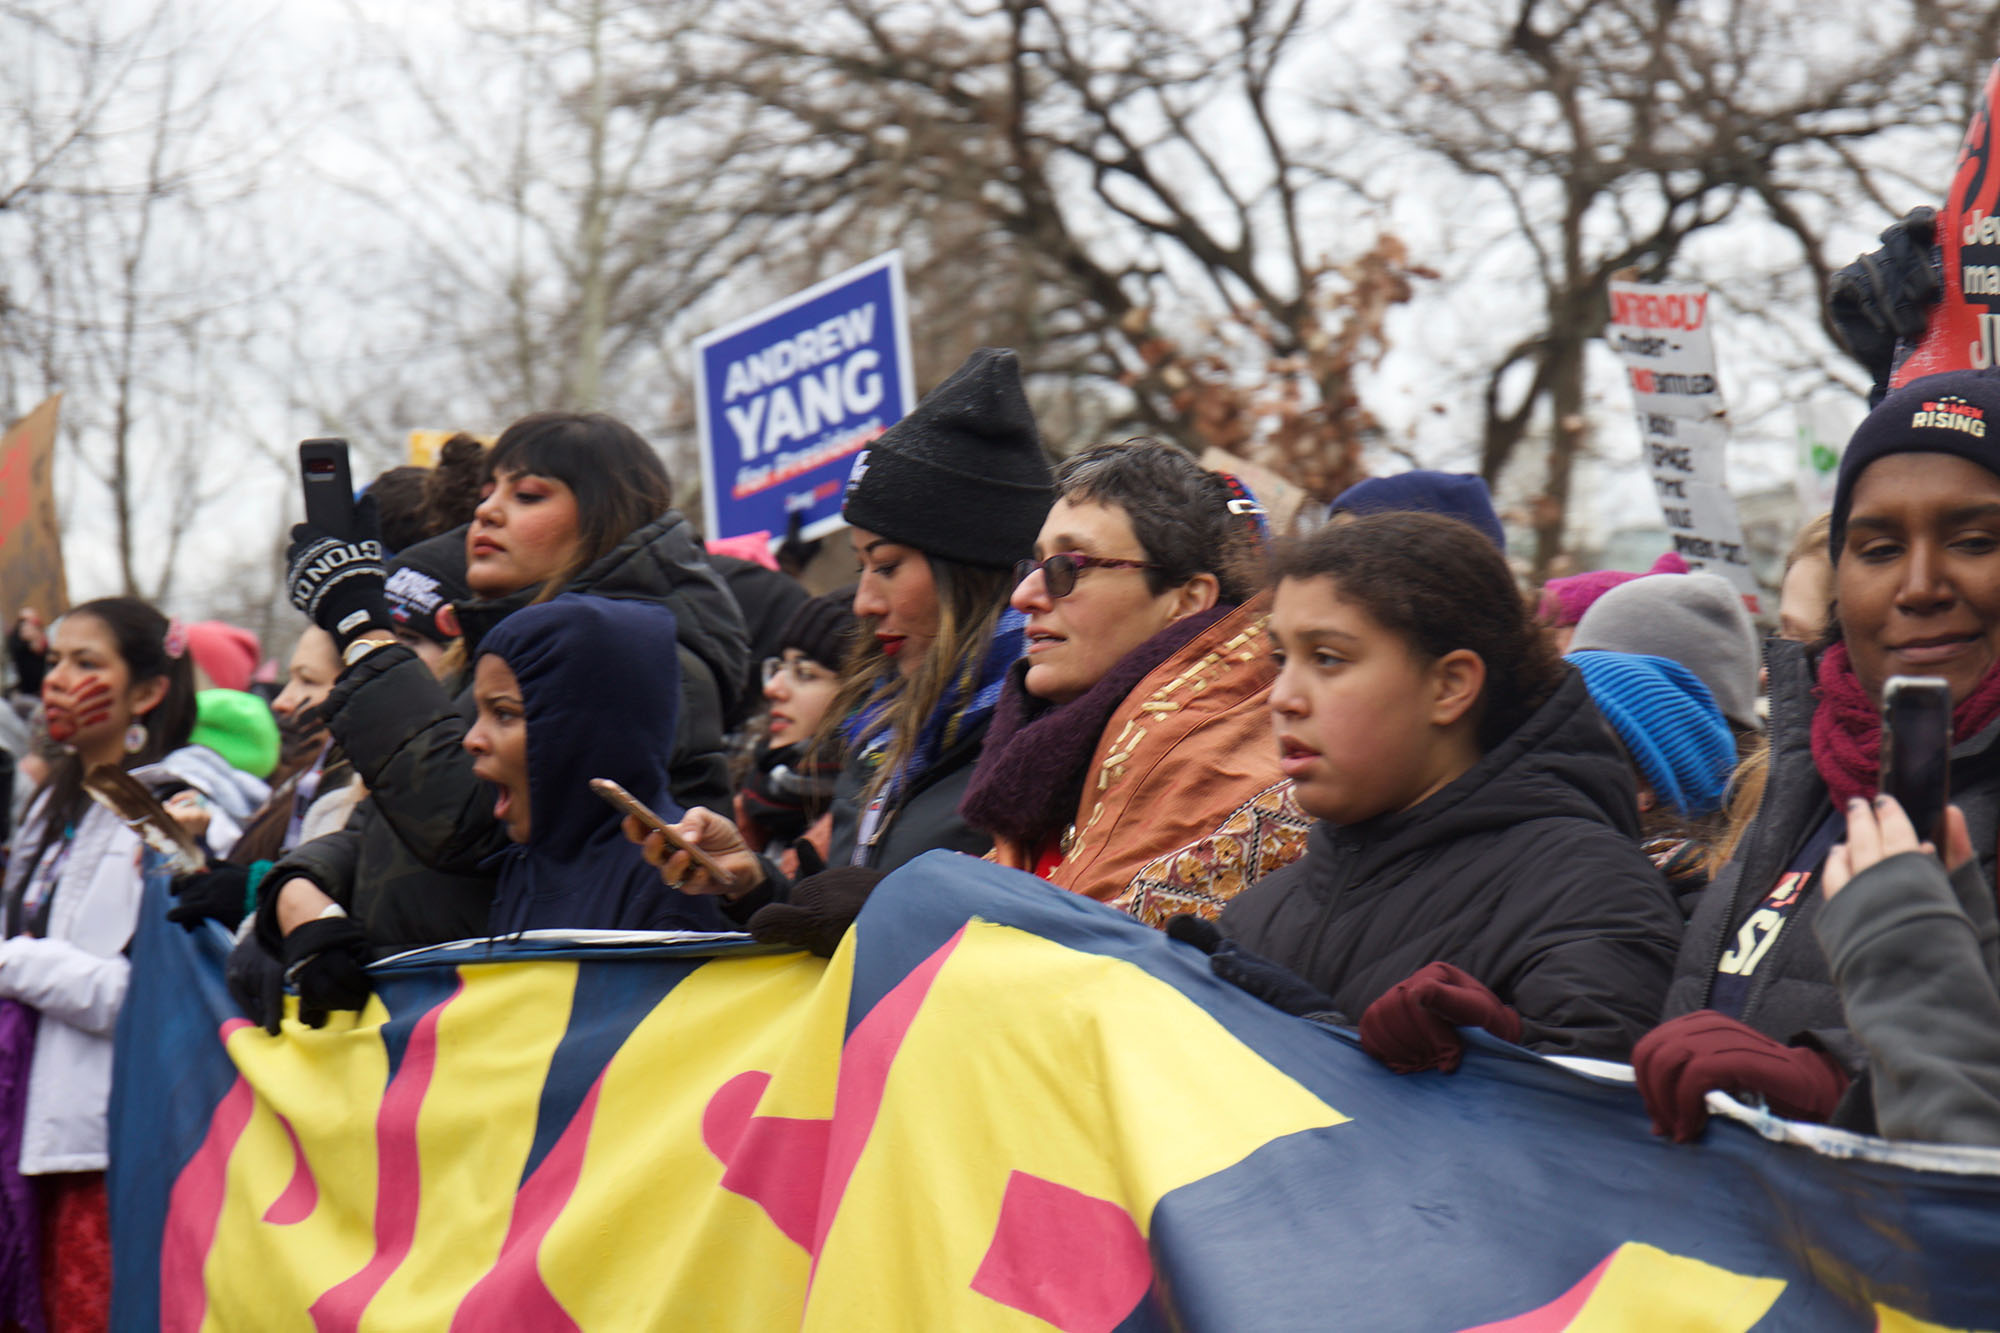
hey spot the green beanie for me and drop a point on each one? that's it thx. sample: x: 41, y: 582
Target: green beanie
x: 239, y: 727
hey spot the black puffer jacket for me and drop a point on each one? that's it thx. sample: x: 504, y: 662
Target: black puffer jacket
x: 1526, y: 872
x: 1791, y: 993
x: 411, y: 863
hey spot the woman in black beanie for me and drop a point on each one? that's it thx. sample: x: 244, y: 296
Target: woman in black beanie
x: 941, y: 506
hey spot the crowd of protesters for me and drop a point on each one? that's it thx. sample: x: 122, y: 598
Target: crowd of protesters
x: 1358, y: 769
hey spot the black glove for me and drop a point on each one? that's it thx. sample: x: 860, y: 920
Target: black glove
x: 327, y: 960
x: 821, y: 909
x: 257, y: 983
x: 338, y: 581
x: 1887, y: 294
x: 1279, y: 987
x: 214, y: 894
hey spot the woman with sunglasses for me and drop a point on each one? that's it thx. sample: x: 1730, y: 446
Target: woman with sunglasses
x: 941, y: 506
x: 1130, y: 745
x: 783, y: 806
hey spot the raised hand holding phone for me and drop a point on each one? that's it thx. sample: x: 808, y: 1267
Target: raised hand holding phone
x: 702, y: 854
x: 334, y: 568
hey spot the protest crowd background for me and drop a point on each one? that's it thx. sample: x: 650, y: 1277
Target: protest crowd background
x: 1004, y: 544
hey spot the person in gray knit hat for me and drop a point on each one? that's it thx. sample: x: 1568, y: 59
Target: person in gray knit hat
x: 1697, y: 620
x: 941, y: 506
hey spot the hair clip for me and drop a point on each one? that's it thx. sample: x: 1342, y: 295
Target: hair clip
x: 177, y: 639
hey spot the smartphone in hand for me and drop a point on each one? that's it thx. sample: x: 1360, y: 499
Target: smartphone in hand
x: 626, y: 803
x: 1916, y: 751
x: 329, y: 486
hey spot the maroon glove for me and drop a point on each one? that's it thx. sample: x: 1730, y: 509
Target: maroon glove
x: 1414, y: 1025
x: 1682, y: 1060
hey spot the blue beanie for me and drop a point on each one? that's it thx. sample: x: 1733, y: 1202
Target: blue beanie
x: 1669, y: 723
x: 1458, y: 495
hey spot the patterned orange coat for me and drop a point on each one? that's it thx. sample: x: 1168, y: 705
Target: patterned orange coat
x: 1185, y: 806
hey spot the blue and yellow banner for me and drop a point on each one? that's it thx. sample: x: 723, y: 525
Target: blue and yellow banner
x: 999, y: 1107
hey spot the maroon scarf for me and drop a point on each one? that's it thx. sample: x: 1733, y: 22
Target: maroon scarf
x: 1847, y: 725
x: 1036, y: 756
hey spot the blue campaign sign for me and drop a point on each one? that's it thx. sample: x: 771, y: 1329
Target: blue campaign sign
x: 790, y: 394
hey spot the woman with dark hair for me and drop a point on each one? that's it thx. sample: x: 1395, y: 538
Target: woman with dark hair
x: 575, y: 502
x: 1915, y: 543
x: 1476, y: 858
x: 942, y: 505
x: 1132, y: 740
x: 119, y: 691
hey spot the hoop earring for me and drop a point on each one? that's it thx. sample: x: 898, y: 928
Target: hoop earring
x: 135, y: 738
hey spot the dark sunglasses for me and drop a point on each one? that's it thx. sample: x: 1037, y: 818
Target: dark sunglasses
x: 1059, y: 571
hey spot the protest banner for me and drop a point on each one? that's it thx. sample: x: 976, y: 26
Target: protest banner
x: 1661, y: 332
x: 786, y: 397
x: 998, y: 1106
x: 31, y: 558
x: 1964, y: 328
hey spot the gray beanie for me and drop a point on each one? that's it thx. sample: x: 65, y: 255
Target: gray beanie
x: 1697, y: 620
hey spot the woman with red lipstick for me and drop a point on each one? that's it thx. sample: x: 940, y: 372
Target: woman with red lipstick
x: 1915, y: 545
x: 1476, y: 860
x: 119, y: 691
x: 941, y: 506
x: 576, y: 502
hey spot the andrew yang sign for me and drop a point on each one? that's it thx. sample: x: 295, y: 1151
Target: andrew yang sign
x: 790, y: 394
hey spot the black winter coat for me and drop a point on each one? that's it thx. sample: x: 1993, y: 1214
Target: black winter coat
x: 412, y: 863
x: 925, y: 816
x: 1526, y: 872
x: 1792, y: 993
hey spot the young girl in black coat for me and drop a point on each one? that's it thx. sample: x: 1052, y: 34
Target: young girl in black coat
x: 1476, y: 860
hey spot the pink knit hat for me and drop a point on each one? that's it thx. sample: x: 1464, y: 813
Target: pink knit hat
x: 1565, y: 600
x: 227, y: 654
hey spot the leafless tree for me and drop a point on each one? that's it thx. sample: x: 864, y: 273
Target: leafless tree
x: 1611, y: 134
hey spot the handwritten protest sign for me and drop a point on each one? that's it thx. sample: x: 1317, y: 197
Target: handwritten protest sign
x: 1661, y: 332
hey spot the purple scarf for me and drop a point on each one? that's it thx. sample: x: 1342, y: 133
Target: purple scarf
x: 1036, y: 758
x: 20, y: 1227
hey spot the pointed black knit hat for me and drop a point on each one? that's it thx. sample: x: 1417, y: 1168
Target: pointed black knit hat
x: 963, y: 477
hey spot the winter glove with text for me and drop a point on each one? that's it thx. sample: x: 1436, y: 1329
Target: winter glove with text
x: 1274, y: 984
x: 338, y: 581
x: 1414, y: 1024
x: 1681, y: 1061
x: 327, y: 960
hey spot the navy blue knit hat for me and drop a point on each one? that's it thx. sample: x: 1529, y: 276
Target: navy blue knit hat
x: 1669, y: 723
x: 1954, y: 413
x: 1458, y: 495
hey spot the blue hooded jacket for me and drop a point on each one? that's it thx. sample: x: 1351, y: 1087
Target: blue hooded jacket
x: 600, y: 687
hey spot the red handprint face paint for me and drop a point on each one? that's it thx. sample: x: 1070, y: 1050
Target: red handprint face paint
x: 86, y: 691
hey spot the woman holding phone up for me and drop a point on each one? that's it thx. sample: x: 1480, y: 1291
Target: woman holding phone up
x: 574, y: 502
x: 941, y: 507
x: 1915, y: 544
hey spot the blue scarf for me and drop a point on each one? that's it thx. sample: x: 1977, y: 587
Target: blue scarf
x: 967, y: 702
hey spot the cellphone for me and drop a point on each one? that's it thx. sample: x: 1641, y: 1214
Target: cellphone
x: 625, y: 802
x: 1916, y: 751
x: 329, y: 486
